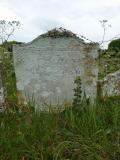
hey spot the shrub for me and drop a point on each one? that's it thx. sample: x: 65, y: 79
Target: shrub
x: 114, y: 45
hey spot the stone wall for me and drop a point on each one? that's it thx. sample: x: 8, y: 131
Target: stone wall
x: 110, y: 85
x: 47, y: 67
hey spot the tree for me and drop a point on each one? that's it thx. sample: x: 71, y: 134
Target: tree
x: 114, y: 45
x: 7, y: 29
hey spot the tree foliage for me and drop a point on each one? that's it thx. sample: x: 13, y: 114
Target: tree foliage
x: 114, y: 45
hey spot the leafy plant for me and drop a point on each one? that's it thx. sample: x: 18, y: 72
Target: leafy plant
x: 77, y: 92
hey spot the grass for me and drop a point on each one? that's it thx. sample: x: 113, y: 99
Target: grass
x: 85, y: 132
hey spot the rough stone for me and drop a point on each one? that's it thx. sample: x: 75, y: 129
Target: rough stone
x: 110, y: 85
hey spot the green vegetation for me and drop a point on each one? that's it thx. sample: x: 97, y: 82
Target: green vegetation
x: 109, y: 62
x: 9, y: 45
x: 77, y: 92
x: 114, y: 45
x: 9, y: 80
x: 89, y: 134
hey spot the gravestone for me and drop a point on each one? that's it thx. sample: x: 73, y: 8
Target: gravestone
x: 47, y: 67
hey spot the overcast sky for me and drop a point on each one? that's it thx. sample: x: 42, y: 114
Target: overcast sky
x: 79, y: 16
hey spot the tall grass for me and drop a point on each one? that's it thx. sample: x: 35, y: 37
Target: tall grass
x: 90, y: 133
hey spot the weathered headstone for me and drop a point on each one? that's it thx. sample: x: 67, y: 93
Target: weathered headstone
x: 47, y: 67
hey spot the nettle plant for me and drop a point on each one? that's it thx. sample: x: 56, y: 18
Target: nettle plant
x: 77, y: 92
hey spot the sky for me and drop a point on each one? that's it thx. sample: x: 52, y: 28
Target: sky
x: 80, y: 16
